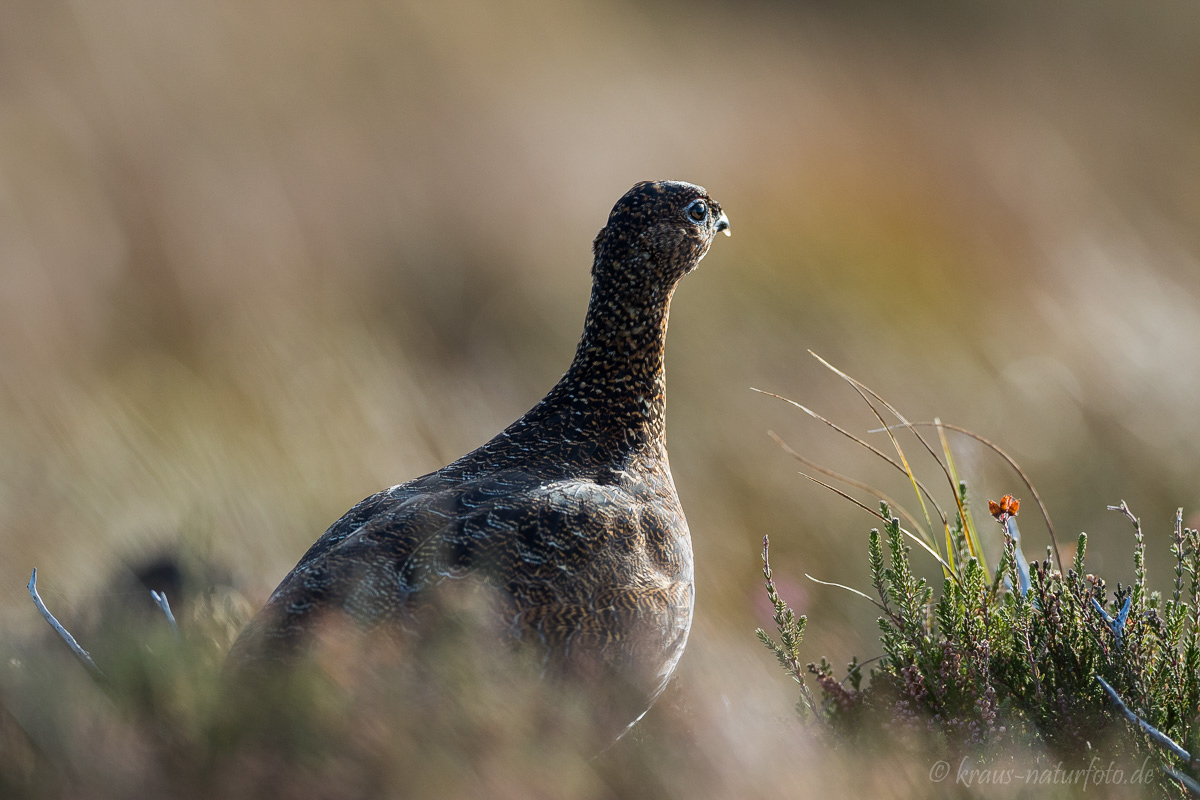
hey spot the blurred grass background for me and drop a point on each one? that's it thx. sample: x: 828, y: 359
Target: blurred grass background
x: 259, y: 260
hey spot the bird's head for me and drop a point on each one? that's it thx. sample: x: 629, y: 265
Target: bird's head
x: 659, y: 230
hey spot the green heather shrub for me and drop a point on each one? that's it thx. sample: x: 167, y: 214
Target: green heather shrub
x: 1011, y: 660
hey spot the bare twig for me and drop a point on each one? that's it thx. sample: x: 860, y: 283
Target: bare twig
x: 160, y: 599
x: 1158, y: 736
x: 1139, y: 557
x: 1186, y: 780
x: 79, y: 652
x: 1124, y: 509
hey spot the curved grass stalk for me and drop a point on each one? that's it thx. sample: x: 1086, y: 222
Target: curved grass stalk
x: 927, y: 548
x: 927, y: 536
x: 837, y: 476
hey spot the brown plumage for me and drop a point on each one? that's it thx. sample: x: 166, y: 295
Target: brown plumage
x: 569, y: 515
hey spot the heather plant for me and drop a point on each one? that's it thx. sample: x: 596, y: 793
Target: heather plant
x: 1028, y: 656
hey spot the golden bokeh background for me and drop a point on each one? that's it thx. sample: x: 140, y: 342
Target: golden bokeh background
x: 259, y: 260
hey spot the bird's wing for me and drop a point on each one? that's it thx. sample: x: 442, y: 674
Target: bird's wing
x: 514, y: 531
x: 350, y: 523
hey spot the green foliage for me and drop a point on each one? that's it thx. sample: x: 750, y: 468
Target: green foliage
x: 986, y: 667
x: 791, y: 633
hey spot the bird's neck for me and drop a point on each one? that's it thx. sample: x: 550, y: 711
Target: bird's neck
x: 613, y: 398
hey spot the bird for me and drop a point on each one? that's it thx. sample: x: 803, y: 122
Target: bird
x: 569, y: 516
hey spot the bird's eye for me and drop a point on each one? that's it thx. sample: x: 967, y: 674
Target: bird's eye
x: 697, y: 211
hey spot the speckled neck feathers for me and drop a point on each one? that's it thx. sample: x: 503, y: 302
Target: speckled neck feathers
x: 616, y: 387
x: 609, y: 409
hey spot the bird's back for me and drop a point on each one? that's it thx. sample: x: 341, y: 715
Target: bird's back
x: 592, y: 567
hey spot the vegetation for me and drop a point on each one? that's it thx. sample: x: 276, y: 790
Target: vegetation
x: 457, y: 714
x: 1027, y: 655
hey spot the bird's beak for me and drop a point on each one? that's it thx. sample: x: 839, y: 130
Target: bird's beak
x: 723, y: 224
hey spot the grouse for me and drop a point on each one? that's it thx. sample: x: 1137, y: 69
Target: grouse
x: 569, y: 515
